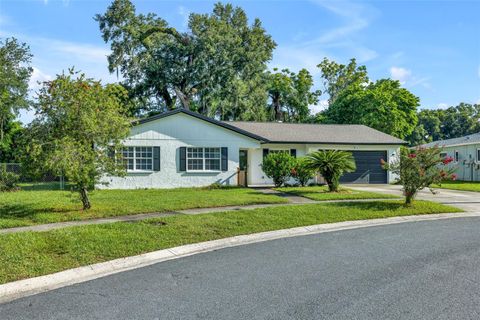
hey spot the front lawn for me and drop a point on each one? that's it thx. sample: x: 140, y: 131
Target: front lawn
x: 320, y: 193
x: 459, y: 185
x: 25, y: 208
x: 30, y: 254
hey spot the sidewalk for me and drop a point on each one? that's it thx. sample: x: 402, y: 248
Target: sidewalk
x: 292, y: 200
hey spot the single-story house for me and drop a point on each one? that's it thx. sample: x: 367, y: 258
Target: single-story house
x: 182, y: 148
x: 465, y: 152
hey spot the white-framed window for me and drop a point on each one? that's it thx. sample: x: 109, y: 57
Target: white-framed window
x: 443, y: 155
x: 138, y: 158
x: 279, y: 150
x: 478, y: 155
x: 203, y: 159
x: 456, y: 156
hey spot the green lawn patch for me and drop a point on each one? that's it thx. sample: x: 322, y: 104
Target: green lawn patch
x: 30, y: 254
x: 25, y: 208
x: 460, y: 185
x: 320, y: 193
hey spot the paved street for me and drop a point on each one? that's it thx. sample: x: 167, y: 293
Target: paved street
x: 466, y: 200
x: 420, y: 270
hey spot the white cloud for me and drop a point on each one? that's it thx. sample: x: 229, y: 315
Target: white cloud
x: 443, y: 105
x: 400, y: 74
x: 320, y: 106
x: 407, y: 78
x: 37, y: 78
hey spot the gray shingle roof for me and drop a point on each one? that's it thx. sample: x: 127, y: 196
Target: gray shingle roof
x: 470, y: 139
x: 316, y: 133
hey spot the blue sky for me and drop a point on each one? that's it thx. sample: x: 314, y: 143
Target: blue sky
x: 432, y: 47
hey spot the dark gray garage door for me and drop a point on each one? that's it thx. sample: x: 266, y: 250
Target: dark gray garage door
x: 369, y: 168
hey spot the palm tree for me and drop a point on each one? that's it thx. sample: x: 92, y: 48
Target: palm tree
x: 331, y: 164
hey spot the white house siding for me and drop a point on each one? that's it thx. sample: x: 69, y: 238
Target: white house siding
x: 468, y: 166
x: 171, y: 133
x: 257, y: 177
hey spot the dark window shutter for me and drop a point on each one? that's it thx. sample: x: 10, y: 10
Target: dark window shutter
x: 224, y: 159
x: 183, y: 159
x: 156, y: 158
x: 111, y: 152
x: 265, y: 152
x: 293, y: 152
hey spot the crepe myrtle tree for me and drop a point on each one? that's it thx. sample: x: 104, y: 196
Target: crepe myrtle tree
x: 302, y: 173
x: 78, y: 123
x: 278, y: 166
x: 331, y: 164
x: 419, y: 169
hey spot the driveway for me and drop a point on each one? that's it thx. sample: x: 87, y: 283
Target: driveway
x: 468, y: 201
x: 421, y: 270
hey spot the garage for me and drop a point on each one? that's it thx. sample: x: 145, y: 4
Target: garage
x: 369, y: 168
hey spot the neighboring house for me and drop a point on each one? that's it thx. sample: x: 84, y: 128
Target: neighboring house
x: 465, y: 152
x: 181, y: 148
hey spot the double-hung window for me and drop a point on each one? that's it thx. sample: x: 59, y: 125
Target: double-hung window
x: 203, y: 159
x: 138, y: 158
x: 456, y: 156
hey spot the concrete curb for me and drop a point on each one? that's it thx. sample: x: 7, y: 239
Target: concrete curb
x: 22, y: 288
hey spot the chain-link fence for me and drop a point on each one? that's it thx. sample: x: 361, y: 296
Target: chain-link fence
x: 27, y: 182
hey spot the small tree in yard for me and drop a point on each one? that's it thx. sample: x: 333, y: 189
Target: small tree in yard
x: 331, y: 164
x: 302, y: 173
x: 278, y: 166
x: 78, y: 120
x: 419, y: 169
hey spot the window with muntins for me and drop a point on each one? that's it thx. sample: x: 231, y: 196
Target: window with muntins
x: 203, y: 159
x: 138, y: 158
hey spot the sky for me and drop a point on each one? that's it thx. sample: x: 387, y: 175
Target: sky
x: 431, y: 47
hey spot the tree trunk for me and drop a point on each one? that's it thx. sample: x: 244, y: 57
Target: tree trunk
x: 168, y: 99
x: 84, y: 198
x: 277, y: 108
x: 183, y: 98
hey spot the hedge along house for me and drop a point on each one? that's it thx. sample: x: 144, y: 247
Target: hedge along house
x: 465, y: 152
x: 182, y: 148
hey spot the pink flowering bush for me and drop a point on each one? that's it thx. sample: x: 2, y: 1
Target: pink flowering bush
x: 419, y: 169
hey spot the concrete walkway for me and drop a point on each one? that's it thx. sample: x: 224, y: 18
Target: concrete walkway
x: 292, y: 200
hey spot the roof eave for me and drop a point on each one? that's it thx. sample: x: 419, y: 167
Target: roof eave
x: 341, y: 143
x: 201, y: 117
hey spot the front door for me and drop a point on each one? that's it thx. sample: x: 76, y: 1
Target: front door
x: 242, y: 170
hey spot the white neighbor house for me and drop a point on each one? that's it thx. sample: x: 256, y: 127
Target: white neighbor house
x: 181, y: 148
x: 465, y: 152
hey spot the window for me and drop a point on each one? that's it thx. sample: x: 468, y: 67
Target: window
x: 138, y: 158
x: 280, y: 150
x: 443, y: 155
x: 203, y: 159
x: 478, y: 155
x: 456, y: 157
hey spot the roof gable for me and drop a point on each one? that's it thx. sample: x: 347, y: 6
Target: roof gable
x: 200, y: 117
x: 470, y: 139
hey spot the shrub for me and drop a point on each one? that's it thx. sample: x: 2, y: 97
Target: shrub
x: 302, y: 173
x: 8, y: 180
x: 278, y: 166
x: 419, y: 169
x: 331, y: 164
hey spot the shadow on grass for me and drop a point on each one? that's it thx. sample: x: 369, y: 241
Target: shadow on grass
x: 372, y: 205
x: 20, y: 211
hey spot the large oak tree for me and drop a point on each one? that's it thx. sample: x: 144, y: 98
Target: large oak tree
x: 217, y: 67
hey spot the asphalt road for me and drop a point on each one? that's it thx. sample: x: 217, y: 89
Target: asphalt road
x: 420, y: 270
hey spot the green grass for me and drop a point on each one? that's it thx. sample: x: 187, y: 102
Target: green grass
x: 460, y: 185
x: 30, y: 254
x: 320, y: 193
x: 25, y: 208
